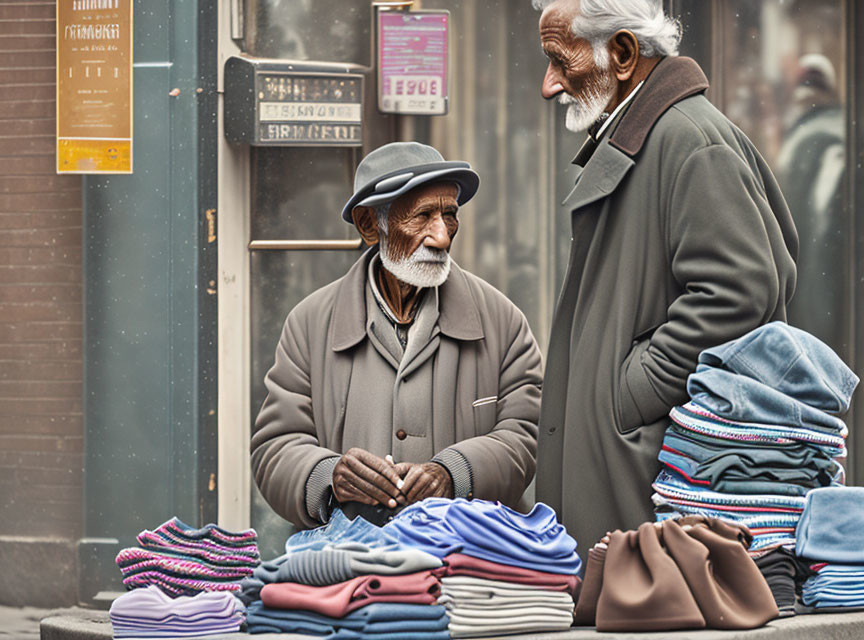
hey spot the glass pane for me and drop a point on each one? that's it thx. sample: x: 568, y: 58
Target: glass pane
x: 323, y: 30
x: 512, y: 234
x: 281, y: 279
x: 783, y: 82
x: 297, y: 194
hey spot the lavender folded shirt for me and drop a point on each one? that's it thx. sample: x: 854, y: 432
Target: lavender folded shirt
x: 149, y: 612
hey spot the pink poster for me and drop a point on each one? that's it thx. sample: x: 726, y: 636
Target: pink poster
x: 412, y: 62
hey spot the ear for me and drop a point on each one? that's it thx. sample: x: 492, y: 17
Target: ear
x: 624, y: 51
x: 366, y: 221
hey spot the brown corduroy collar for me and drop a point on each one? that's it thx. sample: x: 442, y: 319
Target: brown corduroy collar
x: 672, y: 80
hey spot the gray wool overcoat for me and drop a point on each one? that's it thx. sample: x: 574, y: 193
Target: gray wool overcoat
x: 486, y: 378
x: 681, y: 241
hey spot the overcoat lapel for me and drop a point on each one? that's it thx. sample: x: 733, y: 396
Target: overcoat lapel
x: 600, y: 176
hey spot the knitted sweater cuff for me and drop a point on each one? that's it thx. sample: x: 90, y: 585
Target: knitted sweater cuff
x: 318, y: 489
x: 459, y: 468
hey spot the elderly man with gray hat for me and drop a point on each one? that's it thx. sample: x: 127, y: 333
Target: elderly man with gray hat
x: 406, y: 378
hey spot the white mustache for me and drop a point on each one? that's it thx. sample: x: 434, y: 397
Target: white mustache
x: 428, y: 254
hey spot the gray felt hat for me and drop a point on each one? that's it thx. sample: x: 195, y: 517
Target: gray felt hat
x: 396, y: 168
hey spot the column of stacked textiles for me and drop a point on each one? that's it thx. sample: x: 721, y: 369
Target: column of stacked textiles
x: 346, y: 580
x: 181, y: 581
x: 503, y: 572
x: 761, y: 430
x: 830, y: 543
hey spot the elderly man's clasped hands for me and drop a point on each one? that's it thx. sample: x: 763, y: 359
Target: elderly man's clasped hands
x: 361, y: 476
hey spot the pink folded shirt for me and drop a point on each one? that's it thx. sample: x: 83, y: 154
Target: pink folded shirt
x: 459, y: 564
x: 338, y: 600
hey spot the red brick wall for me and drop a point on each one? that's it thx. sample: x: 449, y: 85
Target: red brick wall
x: 41, y: 430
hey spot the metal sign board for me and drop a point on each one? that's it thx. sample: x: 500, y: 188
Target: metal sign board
x: 291, y: 103
x: 413, y: 62
x: 309, y: 109
x: 94, y: 86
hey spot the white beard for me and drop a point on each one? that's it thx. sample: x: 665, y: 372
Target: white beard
x: 584, y: 110
x: 425, y: 268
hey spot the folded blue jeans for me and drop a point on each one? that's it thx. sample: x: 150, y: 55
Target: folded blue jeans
x: 832, y: 526
x: 742, y: 399
x: 340, y: 529
x: 791, y: 362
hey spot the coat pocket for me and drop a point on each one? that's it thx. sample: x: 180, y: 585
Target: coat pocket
x: 485, y: 414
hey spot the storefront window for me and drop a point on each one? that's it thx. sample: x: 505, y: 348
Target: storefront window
x: 497, y: 121
x: 779, y: 73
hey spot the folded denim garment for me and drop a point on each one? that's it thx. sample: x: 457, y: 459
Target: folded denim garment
x: 337, y: 600
x: 150, y: 613
x: 490, y: 531
x: 790, y: 361
x: 338, y: 530
x: 700, y: 420
x: 742, y: 399
x: 832, y: 525
x: 381, y: 620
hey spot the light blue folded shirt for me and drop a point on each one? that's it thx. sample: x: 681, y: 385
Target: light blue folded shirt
x: 490, y: 531
x: 832, y: 526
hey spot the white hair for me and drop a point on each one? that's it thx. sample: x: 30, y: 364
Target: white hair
x: 599, y: 20
x: 381, y: 212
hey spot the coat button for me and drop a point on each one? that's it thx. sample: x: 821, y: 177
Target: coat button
x: 401, y: 434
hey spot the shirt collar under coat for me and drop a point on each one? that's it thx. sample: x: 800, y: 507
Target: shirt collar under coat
x: 459, y: 317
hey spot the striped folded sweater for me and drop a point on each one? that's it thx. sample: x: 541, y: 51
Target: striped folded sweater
x: 182, y: 560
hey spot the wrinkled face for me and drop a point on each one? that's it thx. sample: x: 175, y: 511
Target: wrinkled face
x: 424, y: 216
x: 573, y: 74
x: 420, y: 227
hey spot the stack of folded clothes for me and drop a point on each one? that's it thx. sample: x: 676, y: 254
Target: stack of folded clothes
x: 830, y: 540
x: 185, y: 561
x: 762, y: 429
x: 149, y: 613
x: 348, y: 579
x: 504, y: 572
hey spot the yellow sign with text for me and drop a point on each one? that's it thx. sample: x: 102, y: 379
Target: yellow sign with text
x: 94, y: 86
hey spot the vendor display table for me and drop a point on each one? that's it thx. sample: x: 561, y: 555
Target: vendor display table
x: 94, y: 625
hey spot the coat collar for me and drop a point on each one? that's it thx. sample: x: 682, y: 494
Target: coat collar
x: 669, y: 82
x: 459, y: 316
x: 601, y: 165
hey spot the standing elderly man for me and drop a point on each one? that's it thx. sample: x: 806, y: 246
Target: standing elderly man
x: 681, y: 241
x: 407, y: 377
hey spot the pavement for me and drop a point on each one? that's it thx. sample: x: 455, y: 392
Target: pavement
x: 21, y: 623
x: 94, y: 625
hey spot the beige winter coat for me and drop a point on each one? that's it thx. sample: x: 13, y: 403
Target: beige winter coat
x: 486, y: 378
